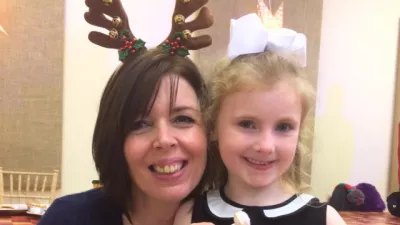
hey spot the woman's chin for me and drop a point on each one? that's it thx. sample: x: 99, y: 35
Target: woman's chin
x: 174, y: 187
x: 172, y: 194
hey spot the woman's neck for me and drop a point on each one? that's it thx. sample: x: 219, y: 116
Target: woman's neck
x: 149, y: 211
x: 275, y: 193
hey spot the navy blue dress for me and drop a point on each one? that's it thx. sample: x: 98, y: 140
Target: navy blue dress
x: 217, y: 208
x: 86, y: 208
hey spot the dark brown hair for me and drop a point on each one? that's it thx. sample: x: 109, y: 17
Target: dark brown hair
x: 129, y: 95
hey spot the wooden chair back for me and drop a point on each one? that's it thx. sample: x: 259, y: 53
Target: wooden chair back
x: 26, y: 186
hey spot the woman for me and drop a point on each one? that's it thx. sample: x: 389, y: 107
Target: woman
x: 149, y: 146
x: 150, y: 142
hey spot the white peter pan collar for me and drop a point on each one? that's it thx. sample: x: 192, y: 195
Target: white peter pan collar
x: 222, y: 209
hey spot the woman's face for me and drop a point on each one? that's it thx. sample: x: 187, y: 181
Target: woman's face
x: 166, y: 151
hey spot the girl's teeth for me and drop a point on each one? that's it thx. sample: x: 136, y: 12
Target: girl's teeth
x: 256, y: 161
x: 168, y: 169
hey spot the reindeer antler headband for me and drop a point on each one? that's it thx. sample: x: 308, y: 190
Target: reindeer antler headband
x: 120, y: 36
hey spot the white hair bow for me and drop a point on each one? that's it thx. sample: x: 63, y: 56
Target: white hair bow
x: 249, y: 35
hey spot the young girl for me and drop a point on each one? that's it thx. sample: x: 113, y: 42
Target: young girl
x: 259, y: 104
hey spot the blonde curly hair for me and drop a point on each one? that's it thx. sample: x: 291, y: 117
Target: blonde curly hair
x: 260, y: 70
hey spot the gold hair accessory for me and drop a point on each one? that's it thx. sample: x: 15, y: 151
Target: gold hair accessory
x: 113, y: 34
x: 187, y: 34
x: 117, y: 21
x: 107, y: 2
x: 179, y: 19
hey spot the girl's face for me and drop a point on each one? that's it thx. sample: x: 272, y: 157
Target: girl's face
x: 166, y: 151
x: 257, y: 133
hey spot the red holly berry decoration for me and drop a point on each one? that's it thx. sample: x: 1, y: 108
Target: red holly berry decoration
x: 131, y: 45
x: 175, y: 46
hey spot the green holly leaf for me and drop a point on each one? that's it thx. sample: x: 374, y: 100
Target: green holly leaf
x: 139, y: 44
x: 124, y: 33
x: 179, y: 34
x: 123, y: 54
x: 166, y: 47
x: 182, y: 52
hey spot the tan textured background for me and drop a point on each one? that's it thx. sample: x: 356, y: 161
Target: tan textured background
x: 301, y: 15
x: 223, y: 11
x: 31, y: 68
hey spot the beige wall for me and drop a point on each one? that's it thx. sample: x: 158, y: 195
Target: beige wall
x: 394, y: 183
x: 353, y: 128
x: 86, y: 69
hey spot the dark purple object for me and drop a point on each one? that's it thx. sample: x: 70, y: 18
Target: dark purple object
x: 373, y: 201
x: 356, y: 197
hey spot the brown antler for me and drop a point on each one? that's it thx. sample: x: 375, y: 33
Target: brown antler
x: 185, y: 8
x: 119, y: 29
x: 121, y: 37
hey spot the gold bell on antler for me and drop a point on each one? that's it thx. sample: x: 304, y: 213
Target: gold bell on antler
x: 117, y: 21
x: 107, y: 2
x: 179, y: 19
x: 113, y: 33
x: 187, y: 34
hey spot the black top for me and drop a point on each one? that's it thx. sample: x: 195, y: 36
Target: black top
x: 301, y: 209
x: 86, y: 208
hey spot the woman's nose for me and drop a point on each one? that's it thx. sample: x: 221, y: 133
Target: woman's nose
x: 165, y: 138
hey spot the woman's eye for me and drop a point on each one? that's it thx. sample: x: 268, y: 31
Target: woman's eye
x: 248, y: 124
x: 183, y: 119
x: 284, y: 127
x: 138, y: 125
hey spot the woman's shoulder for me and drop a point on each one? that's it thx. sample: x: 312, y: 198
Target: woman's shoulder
x: 89, y: 207
x: 87, y: 198
x: 81, y: 202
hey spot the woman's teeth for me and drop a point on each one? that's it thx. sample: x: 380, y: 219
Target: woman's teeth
x: 168, y: 169
x: 256, y: 161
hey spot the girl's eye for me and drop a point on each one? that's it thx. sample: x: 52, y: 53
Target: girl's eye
x: 248, y: 124
x: 284, y: 127
x: 184, y: 120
